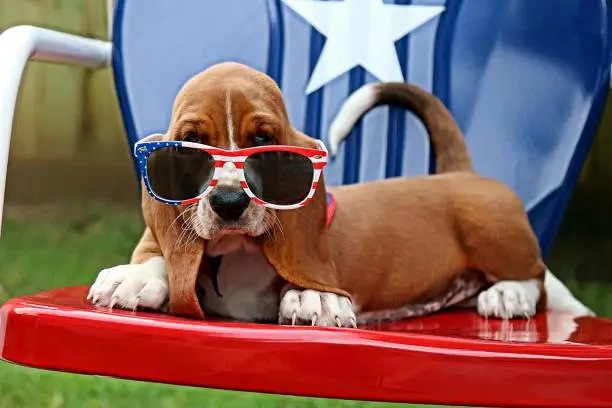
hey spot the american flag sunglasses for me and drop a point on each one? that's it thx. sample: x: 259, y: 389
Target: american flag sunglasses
x: 275, y: 176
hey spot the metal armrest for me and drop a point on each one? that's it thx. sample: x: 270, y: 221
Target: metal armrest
x: 22, y: 43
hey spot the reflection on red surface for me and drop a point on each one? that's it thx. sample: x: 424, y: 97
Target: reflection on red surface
x: 552, y: 328
x: 449, y: 358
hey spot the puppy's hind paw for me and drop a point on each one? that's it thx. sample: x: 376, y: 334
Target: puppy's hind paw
x: 510, y: 299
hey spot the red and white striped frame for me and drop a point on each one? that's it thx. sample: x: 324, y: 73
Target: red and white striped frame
x: 149, y: 144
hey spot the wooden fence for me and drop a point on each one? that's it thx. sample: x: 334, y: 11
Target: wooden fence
x: 68, y: 139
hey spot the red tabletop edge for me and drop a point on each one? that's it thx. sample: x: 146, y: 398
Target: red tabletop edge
x: 451, y: 358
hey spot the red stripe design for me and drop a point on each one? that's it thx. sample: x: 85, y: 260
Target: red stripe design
x: 190, y: 201
x: 252, y: 150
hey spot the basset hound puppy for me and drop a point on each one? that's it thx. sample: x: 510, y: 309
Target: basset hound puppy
x: 239, y: 223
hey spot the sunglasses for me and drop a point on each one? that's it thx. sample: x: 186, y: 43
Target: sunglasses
x: 275, y: 176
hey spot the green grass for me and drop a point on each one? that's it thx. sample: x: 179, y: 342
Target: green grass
x: 24, y: 387
x: 41, y: 249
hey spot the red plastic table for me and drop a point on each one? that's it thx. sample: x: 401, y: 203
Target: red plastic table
x: 449, y: 358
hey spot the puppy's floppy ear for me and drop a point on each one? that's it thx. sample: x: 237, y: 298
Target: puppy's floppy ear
x: 301, y: 252
x: 182, y: 261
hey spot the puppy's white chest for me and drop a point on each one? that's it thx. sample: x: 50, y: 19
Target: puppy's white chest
x: 247, y: 288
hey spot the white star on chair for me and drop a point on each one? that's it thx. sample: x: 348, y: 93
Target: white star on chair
x: 360, y: 32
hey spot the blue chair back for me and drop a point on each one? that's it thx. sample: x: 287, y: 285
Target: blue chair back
x: 525, y: 79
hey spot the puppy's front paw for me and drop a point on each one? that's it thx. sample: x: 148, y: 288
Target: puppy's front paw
x: 510, y: 299
x: 309, y: 307
x: 132, y: 286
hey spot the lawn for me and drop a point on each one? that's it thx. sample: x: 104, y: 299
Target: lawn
x: 44, y: 248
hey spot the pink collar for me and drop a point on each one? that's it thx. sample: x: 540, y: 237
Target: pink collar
x: 331, y: 208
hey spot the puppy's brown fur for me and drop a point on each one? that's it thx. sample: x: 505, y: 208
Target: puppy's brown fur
x: 392, y: 243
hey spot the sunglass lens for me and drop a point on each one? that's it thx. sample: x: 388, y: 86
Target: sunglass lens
x: 179, y: 173
x: 278, y: 177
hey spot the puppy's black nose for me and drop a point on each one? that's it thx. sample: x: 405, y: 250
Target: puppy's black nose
x: 229, y: 204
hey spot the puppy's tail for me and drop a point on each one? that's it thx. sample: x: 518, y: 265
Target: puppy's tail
x: 447, y: 139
